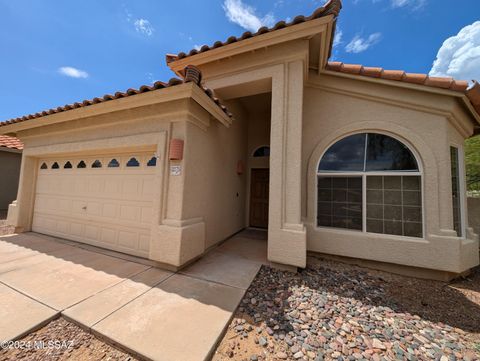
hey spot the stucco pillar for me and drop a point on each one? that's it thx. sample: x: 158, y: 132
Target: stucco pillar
x: 287, y: 234
x: 176, y: 240
x: 26, y: 193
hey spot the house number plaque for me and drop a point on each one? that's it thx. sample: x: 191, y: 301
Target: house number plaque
x: 175, y: 170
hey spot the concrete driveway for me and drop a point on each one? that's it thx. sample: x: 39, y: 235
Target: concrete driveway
x: 146, y: 310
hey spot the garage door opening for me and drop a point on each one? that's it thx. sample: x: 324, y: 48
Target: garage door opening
x: 105, y: 201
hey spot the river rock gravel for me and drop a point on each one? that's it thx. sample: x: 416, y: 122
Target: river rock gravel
x: 334, y: 311
x: 61, y: 340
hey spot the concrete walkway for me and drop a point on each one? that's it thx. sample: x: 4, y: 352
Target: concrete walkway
x: 151, y: 312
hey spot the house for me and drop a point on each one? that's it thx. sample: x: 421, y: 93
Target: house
x: 340, y: 159
x: 10, y: 159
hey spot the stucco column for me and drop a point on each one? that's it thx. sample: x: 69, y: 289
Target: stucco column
x: 26, y: 194
x: 176, y: 239
x: 287, y: 234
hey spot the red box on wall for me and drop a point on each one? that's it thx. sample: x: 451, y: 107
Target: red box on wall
x: 176, y: 149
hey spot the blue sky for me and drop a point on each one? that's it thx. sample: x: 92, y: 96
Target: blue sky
x: 57, y: 52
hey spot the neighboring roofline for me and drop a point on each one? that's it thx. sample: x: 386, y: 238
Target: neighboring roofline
x: 300, y: 26
x: 181, y: 91
x: 438, y: 85
x: 158, y: 92
x: 10, y: 143
x: 11, y: 150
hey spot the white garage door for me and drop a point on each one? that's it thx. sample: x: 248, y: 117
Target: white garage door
x: 105, y: 201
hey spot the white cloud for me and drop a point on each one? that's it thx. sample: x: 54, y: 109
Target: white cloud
x: 72, y: 72
x: 459, y: 56
x: 414, y: 4
x: 337, y: 40
x: 359, y: 44
x: 197, y: 47
x: 143, y: 26
x: 150, y: 77
x: 244, y: 15
x: 396, y: 4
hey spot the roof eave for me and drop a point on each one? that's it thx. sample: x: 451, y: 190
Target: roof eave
x: 303, y: 30
x: 10, y: 150
x: 419, y: 87
x: 182, y: 91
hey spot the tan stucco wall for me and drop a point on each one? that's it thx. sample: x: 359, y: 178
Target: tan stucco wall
x: 10, y: 173
x: 336, y: 107
x: 175, y: 239
x: 213, y: 189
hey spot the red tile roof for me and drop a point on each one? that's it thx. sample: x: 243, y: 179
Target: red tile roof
x: 331, y: 7
x: 10, y: 142
x: 107, y: 97
x: 473, y: 93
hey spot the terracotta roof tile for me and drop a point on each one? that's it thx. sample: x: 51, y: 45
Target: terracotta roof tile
x: 331, y: 7
x: 473, y: 93
x: 439, y: 82
x: 10, y: 142
x: 415, y: 78
x: 129, y: 92
x: 352, y: 68
x: 371, y: 71
x: 393, y: 74
x: 459, y: 85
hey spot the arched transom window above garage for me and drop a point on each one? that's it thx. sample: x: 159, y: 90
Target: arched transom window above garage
x: 370, y: 182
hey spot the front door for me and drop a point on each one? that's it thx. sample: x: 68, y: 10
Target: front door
x: 259, y: 186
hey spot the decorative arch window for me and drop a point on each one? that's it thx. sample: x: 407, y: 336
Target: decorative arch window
x: 97, y: 164
x: 55, y: 166
x: 67, y: 165
x: 113, y: 163
x: 81, y: 164
x: 263, y: 151
x: 44, y: 166
x: 152, y: 162
x: 133, y: 162
x: 370, y: 182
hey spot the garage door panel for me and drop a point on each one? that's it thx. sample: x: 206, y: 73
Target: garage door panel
x: 128, y: 239
x: 109, y: 210
x: 108, y: 235
x: 147, y: 188
x: 77, y: 229
x: 64, y: 205
x: 92, y: 232
x: 63, y: 227
x: 112, y: 186
x: 146, y: 217
x: 130, y: 187
x: 95, y: 185
x: 144, y: 242
x: 104, y: 206
x: 130, y: 213
x: 94, y: 209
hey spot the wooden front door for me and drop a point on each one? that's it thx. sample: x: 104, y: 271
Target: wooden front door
x: 259, y: 185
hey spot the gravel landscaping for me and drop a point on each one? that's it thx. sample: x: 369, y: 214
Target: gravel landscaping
x: 334, y: 311
x: 62, y: 340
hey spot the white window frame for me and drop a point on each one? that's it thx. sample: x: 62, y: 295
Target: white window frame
x: 462, y: 186
x: 363, y: 175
